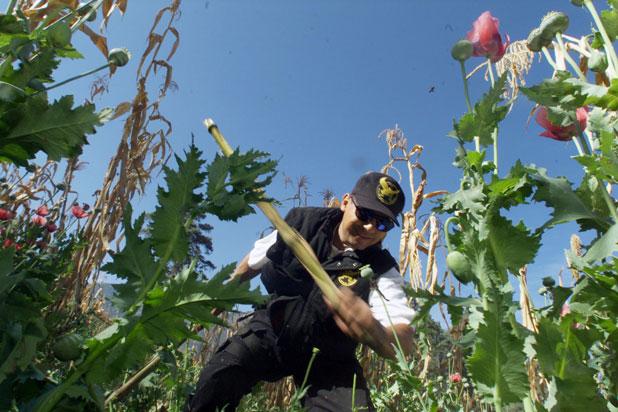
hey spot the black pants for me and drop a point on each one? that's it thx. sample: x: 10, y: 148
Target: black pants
x: 252, y: 355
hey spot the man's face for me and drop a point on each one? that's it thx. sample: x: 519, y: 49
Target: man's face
x: 355, y: 233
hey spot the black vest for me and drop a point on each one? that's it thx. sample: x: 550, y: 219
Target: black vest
x: 297, y: 311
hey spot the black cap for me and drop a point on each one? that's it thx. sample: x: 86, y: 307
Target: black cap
x: 381, y: 193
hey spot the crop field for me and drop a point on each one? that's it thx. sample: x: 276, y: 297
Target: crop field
x: 116, y: 304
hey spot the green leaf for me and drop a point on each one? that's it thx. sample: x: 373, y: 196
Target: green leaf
x: 471, y: 199
x: 561, y: 354
x: 604, y: 246
x: 234, y: 183
x: 485, y: 118
x: 134, y: 264
x: 56, y: 129
x: 609, y: 18
x: 176, y: 206
x: 512, y: 246
x: 557, y: 91
x: 567, y: 206
x: 164, y: 318
x: 498, y: 361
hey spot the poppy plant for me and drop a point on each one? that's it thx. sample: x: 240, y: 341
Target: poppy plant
x: 42, y: 211
x: 39, y: 220
x: 486, y: 39
x: 78, y: 211
x: 6, y: 214
x: 562, y: 133
x: 455, y: 378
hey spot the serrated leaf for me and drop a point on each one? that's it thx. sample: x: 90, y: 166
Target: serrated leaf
x: 561, y: 354
x: 236, y: 182
x: 176, y: 205
x: 498, y: 362
x: 567, y: 206
x: 485, y: 118
x: 513, y: 246
x: 557, y: 91
x: 471, y: 199
x: 604, y: 246
x: 134, y: 264
x: 58, y: 129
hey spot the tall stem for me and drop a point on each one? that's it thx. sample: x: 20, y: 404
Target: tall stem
x: 568, y: 57
x: 494, y: 134
x: 464, y: 77
x: 607, y: 43
x: 583, y: 149
x: 79, y: 76
x: 550, y: 59
x: 11, y: 7
x: 491, y: 73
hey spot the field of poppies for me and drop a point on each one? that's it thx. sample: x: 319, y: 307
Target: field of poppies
x: 65, y: 346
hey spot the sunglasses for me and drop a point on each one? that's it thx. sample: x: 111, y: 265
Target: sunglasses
x: 380, y: 222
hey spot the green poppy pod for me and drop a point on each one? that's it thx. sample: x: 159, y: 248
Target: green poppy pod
x: 458, y: 263
x: 554, y: 22
x: 462, y: 50
x: 118, y: 57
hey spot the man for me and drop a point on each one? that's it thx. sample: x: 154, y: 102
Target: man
x: 279, y: 339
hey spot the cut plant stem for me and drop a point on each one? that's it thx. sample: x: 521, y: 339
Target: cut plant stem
x: 299, y: 246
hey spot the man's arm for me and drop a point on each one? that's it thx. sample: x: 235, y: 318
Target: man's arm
x: 354, y: 318
x: 243, y: 271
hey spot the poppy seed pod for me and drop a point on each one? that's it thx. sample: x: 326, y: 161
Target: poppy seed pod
x: 554, y: 22
x: 597, y: 61
x: 118, y: 57
x: 535, y: 41
x: 462, y: 50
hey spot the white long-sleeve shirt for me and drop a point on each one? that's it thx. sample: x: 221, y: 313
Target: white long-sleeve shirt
x: 393, y: 302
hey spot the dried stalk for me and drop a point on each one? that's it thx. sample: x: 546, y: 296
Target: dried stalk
x: 141, y: 152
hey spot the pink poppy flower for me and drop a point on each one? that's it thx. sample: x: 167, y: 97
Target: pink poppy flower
x: 51, y: 227
x: 565, y: 310
x: 6, y: 214
x: 562, y: 133
x: 455, y: 378
x: 42, y: 211
x: 39, y: 220
x: 78, y: 211
x: 486, y: 39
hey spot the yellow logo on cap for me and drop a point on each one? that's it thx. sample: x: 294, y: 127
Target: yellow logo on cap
x: 387, y: 191
x: 348, y: 279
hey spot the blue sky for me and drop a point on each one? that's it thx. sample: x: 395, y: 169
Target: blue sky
x: 315, y: 82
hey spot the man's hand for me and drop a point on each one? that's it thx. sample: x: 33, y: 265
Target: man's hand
x: 353, y: 316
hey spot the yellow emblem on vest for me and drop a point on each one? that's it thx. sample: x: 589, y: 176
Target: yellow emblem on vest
x: 347, y: 279
x: 387, y: 191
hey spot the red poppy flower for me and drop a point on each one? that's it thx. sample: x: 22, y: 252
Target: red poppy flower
x: 78, y: 211
x: 562, y: 133
x: 486, y: 39
x: 7, y: 243
x: 39, y: 220
x: 51, y: 227
x: 6, y: 214
x: 42, y: 211
x: 455, y: 378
